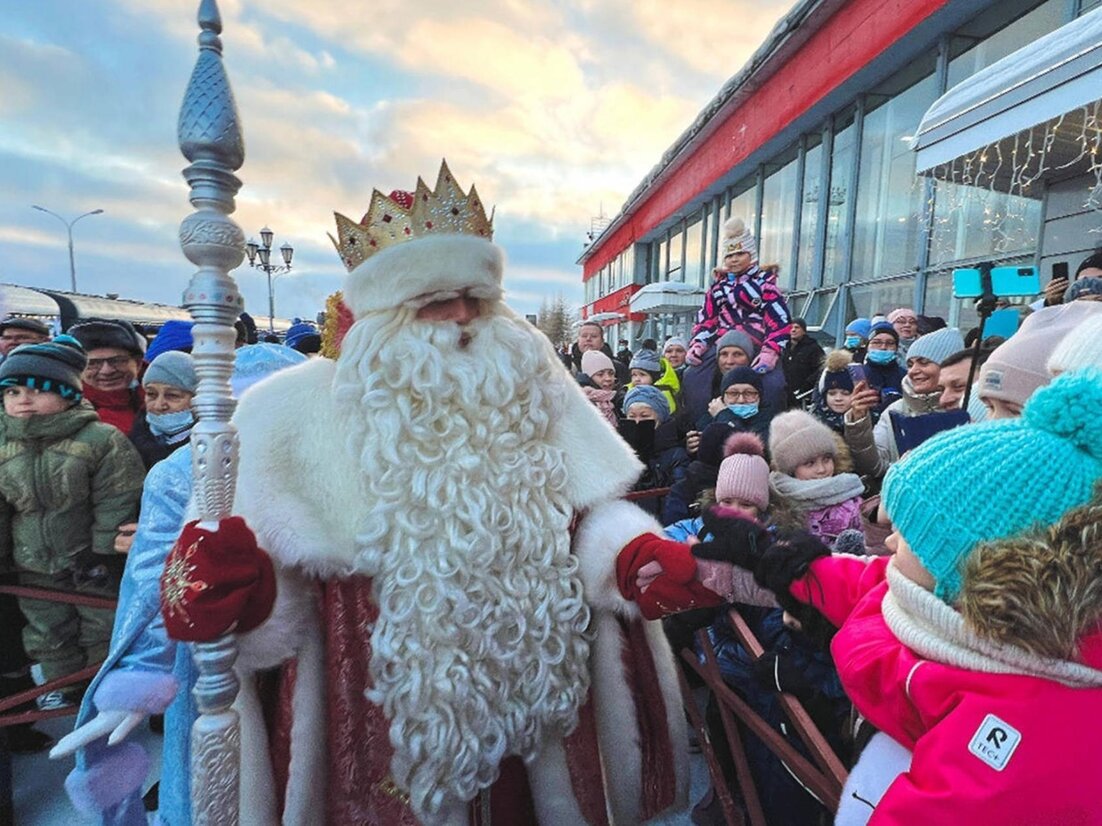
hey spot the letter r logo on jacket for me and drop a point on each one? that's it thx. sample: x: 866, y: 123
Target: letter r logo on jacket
x: 994, y: 742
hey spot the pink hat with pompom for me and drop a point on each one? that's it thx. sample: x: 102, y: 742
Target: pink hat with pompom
x: 744, y: 474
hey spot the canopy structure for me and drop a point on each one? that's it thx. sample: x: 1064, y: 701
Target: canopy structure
x: 24, y: 301
x: 1033, y: 114
x: 667, y: 297
x: 600, y: 318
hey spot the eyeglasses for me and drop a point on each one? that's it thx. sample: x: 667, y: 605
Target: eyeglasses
x: 116, y: 362
x: 28, y: 338
x: 741, y: 395
x: 882, y: 344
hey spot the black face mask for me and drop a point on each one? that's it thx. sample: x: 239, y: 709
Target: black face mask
x: 640, y: 435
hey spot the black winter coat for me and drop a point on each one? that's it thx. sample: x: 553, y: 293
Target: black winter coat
x: 802, y: 361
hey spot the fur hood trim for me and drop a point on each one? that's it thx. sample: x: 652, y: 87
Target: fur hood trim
x: 600, y: 537
x: 293, y: 518
x: 435, y: 264
x: 1041, y: 591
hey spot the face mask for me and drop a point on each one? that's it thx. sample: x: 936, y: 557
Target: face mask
x: 881, y: 356
x: 851, y: 342
x: 744, y: 411
x: 170, y: 424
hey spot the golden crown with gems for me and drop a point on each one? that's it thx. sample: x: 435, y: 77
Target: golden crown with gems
x: 402, y: 216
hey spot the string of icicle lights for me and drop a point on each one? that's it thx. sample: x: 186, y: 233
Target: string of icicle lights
x: 995, y: 191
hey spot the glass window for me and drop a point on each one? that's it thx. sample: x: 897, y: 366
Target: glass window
x: 660, y: 270
x: 744, y: 204
x: 809, y: 217
x: 889, y: 227
x: 976, y: 222
x: 693, y: 235
x: 673, y: 273
x: 970, y: 54
x: 880, y: 297
x: 841, y: 169
x: 628, y: 256
x: 778, y: 213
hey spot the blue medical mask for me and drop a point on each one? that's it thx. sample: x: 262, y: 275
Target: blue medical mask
x: 881, y: 356
x: 852, y: 342
x: 170, y: 424
x: 744, y: 411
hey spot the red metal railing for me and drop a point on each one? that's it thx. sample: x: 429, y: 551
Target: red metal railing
x: 86, y: 673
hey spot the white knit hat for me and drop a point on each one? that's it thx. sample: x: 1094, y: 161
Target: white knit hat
x: 737, y: 238
x: 1081, y: 347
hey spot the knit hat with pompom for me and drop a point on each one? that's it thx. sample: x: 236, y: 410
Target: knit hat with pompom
x: 744, y: 474
x: 796, y: 437
x: 996, y: 479
x: 838, y: 372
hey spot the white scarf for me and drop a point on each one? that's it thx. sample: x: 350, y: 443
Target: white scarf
x: 933, y: 630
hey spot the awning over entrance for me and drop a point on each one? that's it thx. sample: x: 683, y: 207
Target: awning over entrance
x: 1042, y: 101
x: 600, y: 318
x: 667, y: 297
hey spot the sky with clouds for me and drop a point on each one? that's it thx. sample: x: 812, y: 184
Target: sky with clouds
x: 554, y: 109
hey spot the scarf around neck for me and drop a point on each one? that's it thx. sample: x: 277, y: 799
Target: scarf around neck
x: 918, y: 403
x: 817, y: 493
x: 935, y: 631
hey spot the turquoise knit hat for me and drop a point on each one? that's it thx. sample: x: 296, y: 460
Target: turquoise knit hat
x: 995, y: 479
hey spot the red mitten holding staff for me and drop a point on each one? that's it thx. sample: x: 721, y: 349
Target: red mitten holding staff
x: 216, y: 582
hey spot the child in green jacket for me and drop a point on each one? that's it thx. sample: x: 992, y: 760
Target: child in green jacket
x: 67, y: 481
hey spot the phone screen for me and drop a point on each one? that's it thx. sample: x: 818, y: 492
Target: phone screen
x: 1060, y: 270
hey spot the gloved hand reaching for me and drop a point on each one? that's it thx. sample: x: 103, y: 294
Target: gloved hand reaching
x: 766, y: 360
x: 661, y: 577
x: 695, y: 354
x: 734, y: 538
x: 116, y: 725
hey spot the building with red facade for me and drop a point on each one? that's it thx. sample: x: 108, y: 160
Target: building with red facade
x: 811, y: 143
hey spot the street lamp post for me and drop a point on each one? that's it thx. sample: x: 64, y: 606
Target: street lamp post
x: 69, y: 229
x: 263, y: 251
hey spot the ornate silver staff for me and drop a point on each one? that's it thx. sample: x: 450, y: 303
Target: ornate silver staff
x: 210, y: 139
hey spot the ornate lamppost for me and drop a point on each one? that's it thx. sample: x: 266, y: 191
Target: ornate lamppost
x: 69, y: 229
x: 210, y: 138
x: 264, y: 252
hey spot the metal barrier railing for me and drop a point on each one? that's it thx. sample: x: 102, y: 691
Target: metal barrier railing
x: 823, y: 776
x: 86, y: 673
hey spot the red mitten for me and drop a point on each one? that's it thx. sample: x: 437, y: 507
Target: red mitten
x: 665, y: 597
x: 676, y: 589
x: 216, y: 582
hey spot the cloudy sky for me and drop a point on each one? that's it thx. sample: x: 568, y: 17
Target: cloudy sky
x: 552, y: 108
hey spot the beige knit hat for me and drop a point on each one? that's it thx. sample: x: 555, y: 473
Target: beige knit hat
x: 737, y: 238
x: 796, y: 437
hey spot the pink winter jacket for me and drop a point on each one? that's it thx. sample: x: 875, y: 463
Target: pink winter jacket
x: 987, y: 748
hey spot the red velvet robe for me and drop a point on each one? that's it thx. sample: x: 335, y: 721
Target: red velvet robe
x: 360, y: 788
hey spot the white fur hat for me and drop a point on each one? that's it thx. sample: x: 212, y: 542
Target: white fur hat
x: 737, y: 238
x: 1081, y: 347
x: 429, y: 265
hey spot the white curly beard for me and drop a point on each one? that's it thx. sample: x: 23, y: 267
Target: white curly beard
x: 480, y: 650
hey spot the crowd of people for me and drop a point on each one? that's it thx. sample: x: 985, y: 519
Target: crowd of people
x: 803, y: 444
x: 780, y: 481
x: 87, y: 414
